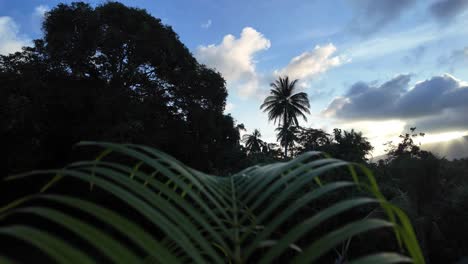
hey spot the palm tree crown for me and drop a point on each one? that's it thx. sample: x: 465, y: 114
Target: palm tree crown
x: 253, y: 142
x: 283, y: 105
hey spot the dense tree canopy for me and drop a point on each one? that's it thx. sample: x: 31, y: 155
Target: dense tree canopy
x: 310, y: 139
x: 111, y: 73
x: 348, y: 145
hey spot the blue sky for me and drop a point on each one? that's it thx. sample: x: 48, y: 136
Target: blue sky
x: 379, y: 66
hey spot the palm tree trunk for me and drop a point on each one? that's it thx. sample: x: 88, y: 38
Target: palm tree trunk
x: 286, y: 146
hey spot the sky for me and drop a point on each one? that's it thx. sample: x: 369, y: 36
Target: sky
x: 378, y: 66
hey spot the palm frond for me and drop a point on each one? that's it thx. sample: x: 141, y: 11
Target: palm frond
x: 200, y: 218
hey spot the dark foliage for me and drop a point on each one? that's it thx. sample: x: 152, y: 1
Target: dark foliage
x: 433, y: 191
x: 347, y: 145
x: 111, y: 73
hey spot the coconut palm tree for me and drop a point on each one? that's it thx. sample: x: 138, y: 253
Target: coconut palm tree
x: 253, y: 143
x: 284, y: 105
x: 286, y: 136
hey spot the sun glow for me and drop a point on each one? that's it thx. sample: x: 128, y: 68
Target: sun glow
x: 379, y: 132
x: 442, y: 137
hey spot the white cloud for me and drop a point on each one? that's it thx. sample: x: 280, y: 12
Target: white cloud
x: 234, y: 58
x: 40, y: 10
x: 10, y: 39
x: 312, y: 63
x: 229, y: 107
x: 38, y: 17
x: 207, y: 24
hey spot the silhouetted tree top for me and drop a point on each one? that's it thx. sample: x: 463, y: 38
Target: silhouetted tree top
x: 253, y: 141
x: 111, y: 73
x: 407, y: 147
x: 128, y: 48
x: 311, y: 139
x: 284, y: 104
x: 348, y: 145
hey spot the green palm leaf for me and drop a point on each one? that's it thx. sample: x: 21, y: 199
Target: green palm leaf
x: 200, y: 218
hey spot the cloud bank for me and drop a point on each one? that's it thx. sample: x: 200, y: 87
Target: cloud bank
x: 436, y: 104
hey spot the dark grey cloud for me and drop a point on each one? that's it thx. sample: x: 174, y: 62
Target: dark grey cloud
x: 377, y: 100
x: 372, y: 15
x: 369, y: 101
x: 430, y: 97
x: 448, y: 120
x: 439, y: 103
x: 446, y: 10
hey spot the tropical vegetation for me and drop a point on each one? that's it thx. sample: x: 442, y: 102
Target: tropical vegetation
x: 182, y: 215
x: 110, y: 73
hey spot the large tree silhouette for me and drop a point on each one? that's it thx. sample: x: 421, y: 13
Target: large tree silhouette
x: 110, y: 73
x: 284, y: 105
